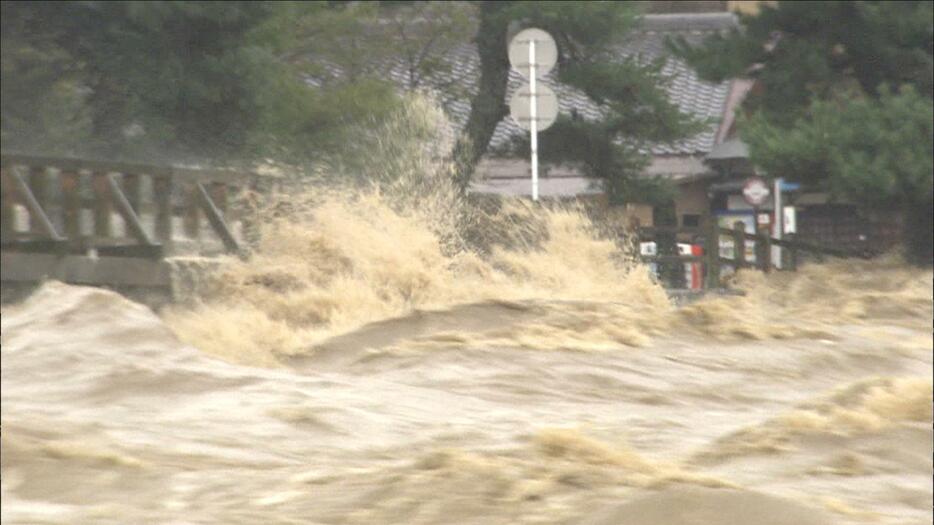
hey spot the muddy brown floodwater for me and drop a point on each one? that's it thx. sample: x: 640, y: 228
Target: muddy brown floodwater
x: 354, y: 373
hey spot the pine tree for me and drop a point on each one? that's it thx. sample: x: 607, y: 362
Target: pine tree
x: 845, y: 100
x: 637, y: 108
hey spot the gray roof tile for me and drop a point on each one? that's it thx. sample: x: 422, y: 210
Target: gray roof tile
x: 692, y: 95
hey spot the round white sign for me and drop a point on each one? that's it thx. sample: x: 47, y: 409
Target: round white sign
x: 756, y: 191
x: 546, y: 52
x: 546, y: 105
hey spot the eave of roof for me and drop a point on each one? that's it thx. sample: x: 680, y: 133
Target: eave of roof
x: 547, y: 187
x: 730, y: 149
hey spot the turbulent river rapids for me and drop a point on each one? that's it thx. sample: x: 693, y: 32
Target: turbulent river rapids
x: 353, y: 371
x: 400, y: 356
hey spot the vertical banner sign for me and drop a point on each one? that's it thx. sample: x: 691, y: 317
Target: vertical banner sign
x: 789, y: 220
x: 534, y: 107
x: 779, y: 222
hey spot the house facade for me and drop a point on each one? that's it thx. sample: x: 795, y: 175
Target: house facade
x: 708, y: 169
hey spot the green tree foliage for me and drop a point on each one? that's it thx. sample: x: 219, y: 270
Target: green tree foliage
x: 349, y: 49
x: 802, y: 50
x: 630, y: 90
x: 844, y: 100
x: 42, y: 102
x: 877, y: 151
x: 193, y: 81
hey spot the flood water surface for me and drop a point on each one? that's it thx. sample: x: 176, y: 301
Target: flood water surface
x: 357, y: 373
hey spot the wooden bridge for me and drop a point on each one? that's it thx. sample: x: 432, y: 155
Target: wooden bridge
x: 112, y: 224
x: 115, y: 224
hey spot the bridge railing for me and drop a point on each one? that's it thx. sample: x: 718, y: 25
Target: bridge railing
x: 712, y: 260
x: 70, y: 205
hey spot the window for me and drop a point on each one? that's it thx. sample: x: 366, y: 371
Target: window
x: 690, y: 220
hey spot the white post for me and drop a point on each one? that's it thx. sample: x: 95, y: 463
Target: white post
x: 779, y: 222
x: 533, y: 113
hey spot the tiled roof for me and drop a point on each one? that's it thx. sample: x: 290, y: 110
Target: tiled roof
x: 692, y: 95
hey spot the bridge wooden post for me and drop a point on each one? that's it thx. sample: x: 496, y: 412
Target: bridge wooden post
x: 712, y: 252
x: 37, y: 215
x: 192, y: 217
x: 162, y: 193
x: 764, y: 252
x: 792, y: 252
x: 71, y: 204
x: 7, y: 202
x: 102, y: 205
x: 38, y: 183
x: 739, y: 245
x: 133, y: 190
x: 126, y: 211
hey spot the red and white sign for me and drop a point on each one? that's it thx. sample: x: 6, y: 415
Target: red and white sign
x: 693, y: 275
x: 756, y: 191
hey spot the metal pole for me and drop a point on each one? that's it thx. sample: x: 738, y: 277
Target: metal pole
x: 533, y: 113
x: 779, y: 220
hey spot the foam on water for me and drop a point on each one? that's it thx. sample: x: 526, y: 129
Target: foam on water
x: 399, y: 356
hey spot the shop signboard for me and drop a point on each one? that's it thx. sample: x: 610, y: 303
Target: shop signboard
x: 756, y: 191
